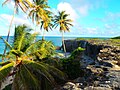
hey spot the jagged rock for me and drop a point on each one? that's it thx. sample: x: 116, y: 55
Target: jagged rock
x: 95, y: 70
x: 106, y: 64
x: 97, y: 88
x: 114, y: 78
x: 85, y: 61
x: 71, y: 86
x: 91, y: 50
x: 105, y: 57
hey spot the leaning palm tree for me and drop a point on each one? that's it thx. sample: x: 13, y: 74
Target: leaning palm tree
x: 47, y: 23
x: 38, y: 11
x: 63, y: 22
x: 27, y: 73
x: 24, y: 5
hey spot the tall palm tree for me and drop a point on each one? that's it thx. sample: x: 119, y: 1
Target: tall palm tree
x: 39, y: 14
x: 46, y: 24
x: 30, y: 74
x: 63, y: 22
x: 24, y: 5
x: 38, y: 11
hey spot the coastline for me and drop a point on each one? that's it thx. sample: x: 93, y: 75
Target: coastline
x: 100, y: 62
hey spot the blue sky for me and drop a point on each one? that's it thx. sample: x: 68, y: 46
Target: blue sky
x: 92, y: 18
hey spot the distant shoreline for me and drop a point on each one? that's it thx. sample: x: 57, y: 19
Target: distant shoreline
x: 77, y: 36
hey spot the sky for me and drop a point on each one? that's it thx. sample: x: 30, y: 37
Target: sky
x: 91, y: 18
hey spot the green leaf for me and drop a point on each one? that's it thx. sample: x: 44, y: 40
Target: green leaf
x: 5, y: 70
x: 6, y: 43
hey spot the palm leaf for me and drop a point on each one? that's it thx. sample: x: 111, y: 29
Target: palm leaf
x: 25, y: 80
x: 5, y: 2
x: 55, y: 72
x: 39, y: 68
x: 6, y: 43
x: 5, y: 70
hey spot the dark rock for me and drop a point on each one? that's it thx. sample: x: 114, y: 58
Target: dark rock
x: 71, y: 86
x: 97, y: 63
x: 97, y: 88
x: 105, y: 69
x: 58, y: 48
x: 91, y: 50
x: 107, y: 64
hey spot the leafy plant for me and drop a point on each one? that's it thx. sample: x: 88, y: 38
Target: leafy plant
x: 30, y: 74
x: 24, y: 6
x: 71, y: 65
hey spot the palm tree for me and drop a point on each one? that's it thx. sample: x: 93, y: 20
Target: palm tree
x: 38, y: 11
x: 63, y: 22
x: 30, y: 74
x: 24, y: 5
x: 39, y: 14
x: 46, y: 24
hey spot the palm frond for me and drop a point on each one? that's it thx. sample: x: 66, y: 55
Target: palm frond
x: 55, y: 72
x: 4, y: 63
x: 5, y: 70
x: 39, y: 68
x: 5, y: 2
x: 25, y: 78
x: 62, y: 20
x: 8, y: 45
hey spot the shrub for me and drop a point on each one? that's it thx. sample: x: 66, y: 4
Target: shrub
x: 77, y: 52
x: 71, y: 65
x: 116, y: 37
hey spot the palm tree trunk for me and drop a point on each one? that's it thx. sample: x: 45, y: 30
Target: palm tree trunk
x: 64, y: 48
x: 43, y: 37
x: 35, y: 32
x: 8, y: 33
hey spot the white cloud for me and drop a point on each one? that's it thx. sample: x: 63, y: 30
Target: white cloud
x: 84, y: 10
x: 17, y: 20
x: 92, y: 30
x: 110, y: 17
x: 5, y: 20
x: 69, y: 9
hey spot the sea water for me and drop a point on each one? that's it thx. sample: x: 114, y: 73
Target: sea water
x: 57, y: 41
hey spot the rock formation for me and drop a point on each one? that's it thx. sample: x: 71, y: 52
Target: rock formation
x: 101, y: 63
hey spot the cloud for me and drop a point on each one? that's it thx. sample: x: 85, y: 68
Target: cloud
x: 17, y: 20
x: 92, y: 30
x: 5, y: 20
x: 110, y: 17
x: 84, y: 6
x: 112, y: 26
x: 69, y: 10
x: 84, y: 10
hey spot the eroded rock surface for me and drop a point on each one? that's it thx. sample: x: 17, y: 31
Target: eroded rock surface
x: 101, y: 63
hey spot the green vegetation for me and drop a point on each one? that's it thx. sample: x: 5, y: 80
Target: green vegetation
x: 71, y: 65
x: 88, y: 39
x: 116, y: 37
x: 24, y: 6
x: 28, y: 60
x: 25, y: 62
x: 112, y: 41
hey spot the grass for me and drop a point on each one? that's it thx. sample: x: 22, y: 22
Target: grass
x: 97, y: 41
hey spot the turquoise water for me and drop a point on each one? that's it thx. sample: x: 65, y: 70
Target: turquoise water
x: 57, y: 41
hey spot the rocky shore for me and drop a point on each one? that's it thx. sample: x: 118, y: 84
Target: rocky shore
x: 100, y: 62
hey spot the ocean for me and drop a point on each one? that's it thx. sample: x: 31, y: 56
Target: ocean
x: 57, y: 41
